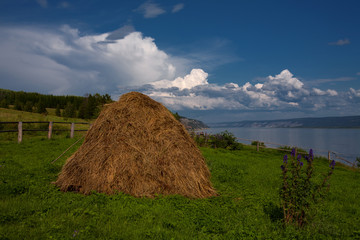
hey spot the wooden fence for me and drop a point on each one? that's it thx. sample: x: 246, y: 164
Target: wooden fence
x: 49, y: 129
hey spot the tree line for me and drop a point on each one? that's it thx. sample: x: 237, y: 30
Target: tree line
x: 86, y: 107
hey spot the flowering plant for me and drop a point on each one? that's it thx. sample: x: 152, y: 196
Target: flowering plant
x: 298, y: 192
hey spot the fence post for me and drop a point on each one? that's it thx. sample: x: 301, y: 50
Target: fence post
x: 20, y: 132
x: 72, y: 130
x: 50, y: 130
x: 329, y: 156
x: 257, y: 146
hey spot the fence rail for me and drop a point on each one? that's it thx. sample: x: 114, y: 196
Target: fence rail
x: 50, y: 128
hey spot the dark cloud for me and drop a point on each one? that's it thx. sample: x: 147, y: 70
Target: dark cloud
x: 121, y: 32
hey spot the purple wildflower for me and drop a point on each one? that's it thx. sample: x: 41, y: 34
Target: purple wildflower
x: 307, y: 158
x: 311, y: 154
x: 332, y: 164
x: 301, y: 164
x: 285, y: 159
x: 299, y: 157
x: 282, y: 167
x: 293, y: 152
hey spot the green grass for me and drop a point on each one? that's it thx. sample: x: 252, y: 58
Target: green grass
x: 247, y: 206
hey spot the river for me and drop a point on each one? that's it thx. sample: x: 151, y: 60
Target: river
x: 345, y: 142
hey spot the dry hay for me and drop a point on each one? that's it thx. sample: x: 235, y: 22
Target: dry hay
x: 136, y: 146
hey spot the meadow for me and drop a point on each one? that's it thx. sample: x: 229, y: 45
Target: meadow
x: 247, y: 207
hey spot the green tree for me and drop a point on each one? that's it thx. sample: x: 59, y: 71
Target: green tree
x: 40, y: 107
x: 91, y: 107
x: 4, y: 103
x: 83, y: 110
x: 57, y: 111
x: 177, y: 116
x: 69, y: 111
x: 28, y: 106
x: 18, y: 105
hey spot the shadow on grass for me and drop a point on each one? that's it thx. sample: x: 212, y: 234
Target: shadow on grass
x: 274, y: 212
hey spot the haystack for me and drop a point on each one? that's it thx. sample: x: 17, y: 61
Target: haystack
x: 137, y: 147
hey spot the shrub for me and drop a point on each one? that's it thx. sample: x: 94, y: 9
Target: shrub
x: 261, y: 144
x: 298, y: 193
x: 357, y: 162
x: 224, y: 139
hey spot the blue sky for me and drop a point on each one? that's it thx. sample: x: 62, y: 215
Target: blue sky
x: 211, y: 60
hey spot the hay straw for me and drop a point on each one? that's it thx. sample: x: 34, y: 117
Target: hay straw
x: 136, y: 146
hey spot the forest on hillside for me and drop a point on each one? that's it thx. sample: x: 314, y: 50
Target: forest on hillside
x: 86, y: 107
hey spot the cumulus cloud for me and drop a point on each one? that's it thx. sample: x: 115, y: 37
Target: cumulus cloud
x: 320, y: 92
x: 150, y: 9
x: 284, y: 80
x: 195, y: 78
x: 332, y: 92
x: 340, y: 42
x: 63, y: 61
x: 177, y: 8
x: 354, y: 93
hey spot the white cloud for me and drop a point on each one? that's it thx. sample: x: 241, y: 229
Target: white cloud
x: 42, y: 3
x: 177, y: 7
x: 195, y: 102
x: 340, y: 42
x: 284, y: 80
x: 332, y: 92
x: 355, y: 93
x: 150, y: 10
x: 319, y: 92
x: 195, y: 78
x: 62, y: 61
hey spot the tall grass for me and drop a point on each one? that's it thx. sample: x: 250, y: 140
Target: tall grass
x: 247, y: 207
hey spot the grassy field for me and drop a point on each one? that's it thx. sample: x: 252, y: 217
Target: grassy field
x: 247, y: 206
